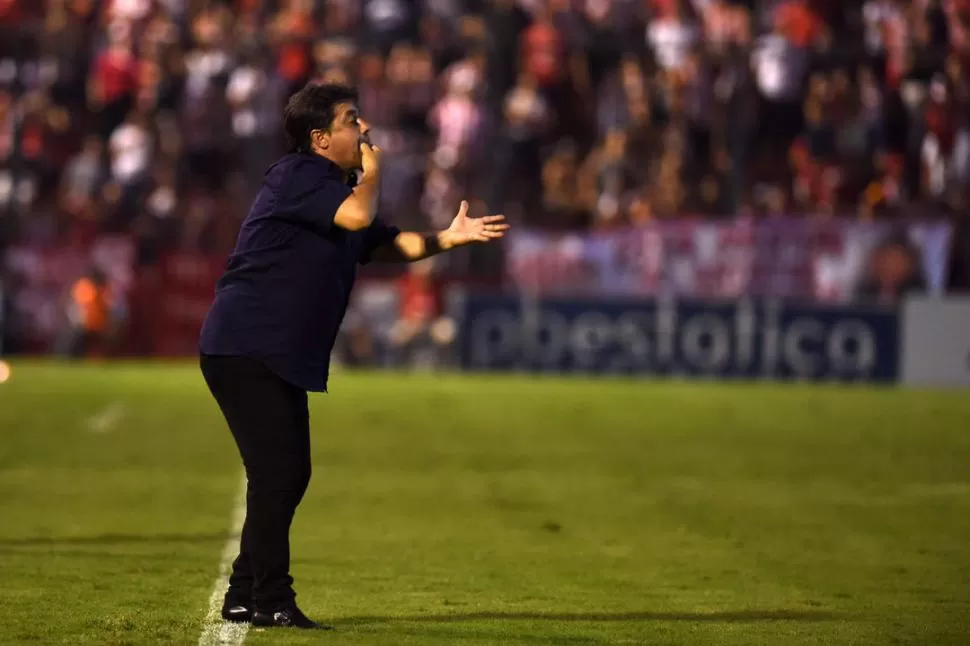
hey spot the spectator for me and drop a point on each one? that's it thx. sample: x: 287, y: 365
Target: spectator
x: 543, y: 50
x: 255, y: 99
x: 92, y: 316
x: 560, y: 113
x: 289, y: 34
x: 725, y: 25
x: 458, y: 120
x: 113, y: 80
x: 561, y: 207
x: 528, y: 117
x: 939, y: 142
x: 131, y: 148
x: 82, y: 180
x: 894, y: 272
x: 422, y: 327
x: 672, y: 36
x: 780, y: 64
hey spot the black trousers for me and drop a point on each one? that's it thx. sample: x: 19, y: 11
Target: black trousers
x: 270, y: 421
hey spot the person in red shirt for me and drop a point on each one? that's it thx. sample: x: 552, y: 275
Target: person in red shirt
x: 543, y: 51
x: 114, y: 78
x: 291, y: 32
x: 11, y: 15
x: 422, y: 325
x: 799, y: 22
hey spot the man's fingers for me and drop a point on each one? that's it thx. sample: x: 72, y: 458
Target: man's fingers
x: 486, y: 236
x: 493, y: 218
x: 494, y: 227
x: 463, y: 209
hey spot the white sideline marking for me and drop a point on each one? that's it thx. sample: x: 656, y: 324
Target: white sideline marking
x: 215, y: 631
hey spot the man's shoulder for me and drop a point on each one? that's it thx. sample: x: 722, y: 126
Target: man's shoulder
x: 308, y: 165
x: 298, y: 174
x: 299, y: 190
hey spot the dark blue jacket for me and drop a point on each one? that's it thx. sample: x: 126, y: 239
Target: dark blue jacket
x: 287, y: 283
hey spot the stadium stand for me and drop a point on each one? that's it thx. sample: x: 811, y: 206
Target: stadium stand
x: 152, y: 121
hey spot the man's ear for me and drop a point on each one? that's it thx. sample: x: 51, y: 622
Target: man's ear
x: 320, y: 139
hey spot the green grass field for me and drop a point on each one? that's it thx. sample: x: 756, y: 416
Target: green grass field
x: 460, y: 510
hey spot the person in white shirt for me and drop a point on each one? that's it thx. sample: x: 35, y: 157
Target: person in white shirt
x: 255, y: 98
x: 779, y: 68
x: 672, y: 38
x: 131, y: 148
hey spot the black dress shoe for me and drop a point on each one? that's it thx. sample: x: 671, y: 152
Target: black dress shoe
x: 237, y: 610
x: 288, y: 617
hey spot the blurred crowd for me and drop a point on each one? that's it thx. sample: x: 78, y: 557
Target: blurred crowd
x: 158, y: 117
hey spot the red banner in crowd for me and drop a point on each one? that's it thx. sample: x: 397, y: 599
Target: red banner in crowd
x: 176, y: 297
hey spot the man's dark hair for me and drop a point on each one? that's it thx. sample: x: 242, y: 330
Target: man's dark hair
x: 313, y: 108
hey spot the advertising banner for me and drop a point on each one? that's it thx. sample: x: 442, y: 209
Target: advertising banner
x: 745, y: 338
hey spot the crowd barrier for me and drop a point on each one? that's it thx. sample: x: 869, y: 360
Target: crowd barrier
x: 923, y: 341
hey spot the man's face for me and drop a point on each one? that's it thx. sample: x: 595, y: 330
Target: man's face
x: 347, y: 132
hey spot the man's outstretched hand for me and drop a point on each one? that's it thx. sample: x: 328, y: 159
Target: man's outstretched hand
x: 465, y: 230
x: 410, y: 246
